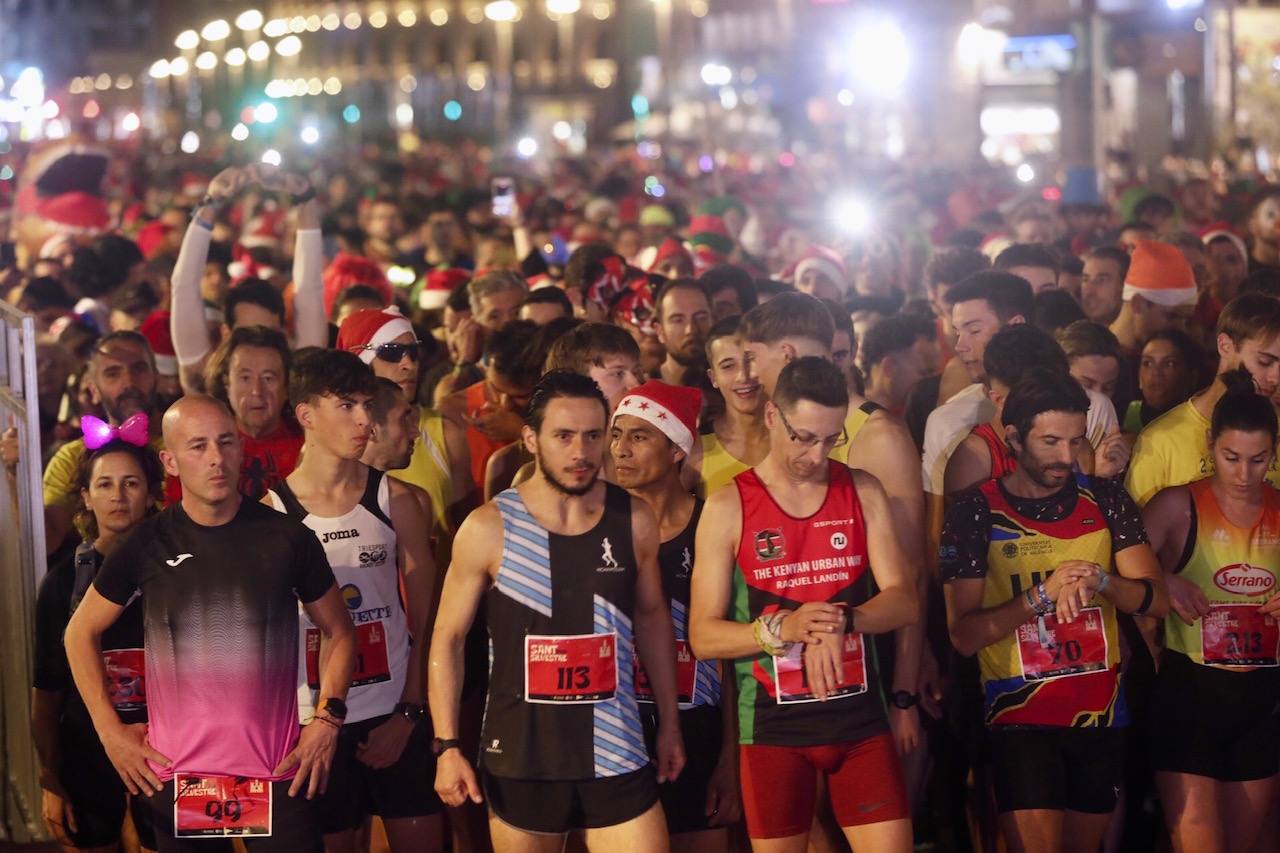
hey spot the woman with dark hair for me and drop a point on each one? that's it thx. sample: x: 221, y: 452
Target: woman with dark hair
x: 84, y: 800
x: 1168, y: 373
x: 1214, y: 744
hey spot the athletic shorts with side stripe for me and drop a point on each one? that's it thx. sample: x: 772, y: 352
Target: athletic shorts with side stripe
x: 779, y: 785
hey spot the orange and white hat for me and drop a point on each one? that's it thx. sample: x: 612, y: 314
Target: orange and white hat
x: 1160, y: 274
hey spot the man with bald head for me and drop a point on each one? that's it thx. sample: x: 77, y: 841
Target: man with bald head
x: 220, y: 578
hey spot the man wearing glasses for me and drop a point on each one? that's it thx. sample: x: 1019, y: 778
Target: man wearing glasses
x: 784, y: 579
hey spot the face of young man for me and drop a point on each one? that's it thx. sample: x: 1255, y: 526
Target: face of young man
x: 976, y: 324
x: 642, y: 455
x: 1050, y: 447
x: 616, y: 375
x: 569, y: 447
x: 802, y: 436
x: 117, y: 495
x: 686, y: 319
x: 255, y: 388
x: 1150, y: 318
x: 1096, y: 373
x: 1260, y: 357
x: 724, y: 303
x: 1100, y: 290
x: 123, y: 380
x: 403, y: 372
x: 818, y: 284
x: 339, y: 424
x: 729, y: 375
x: 394, y: 439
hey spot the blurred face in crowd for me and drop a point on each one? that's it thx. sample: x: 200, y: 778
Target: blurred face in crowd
x: 256, y: 388
x: 1040, y: 278
x: 642, y: 455
x: 1150, y: 318
x: 570, y: 444
x: 248, y: 314
x: 975, y: 323
x: 214, y: 283
x: 1199, y: 264
x: 1036, y: 228
x: 403, y: 372
x: 724, y: 303
x: 118, y: 495
x: 904, y: 368
x: 541, y: 313
x: 1096, y: 373
x: 842, y: 352
x: 863, y: 322
x: 123, y: 379
x: 941, y: 305
x: 676, y: 266
x: 500, y: 308
x: 1261, y: 357
x: 818, y: 284
x: 729, y: 375
x: 1164, y: 377
x: 616, y: 374
x: 1227, y: 267
x: 684, y: 320
x: 877, y: 272
x: 508, y: 394
x: 1199, y: 201
x: 354, y: 304
x: 1100, y: 289
x: 441, y: 230
x: 53, y: 367
x: 385, y: 223
x: 394, y: 439
x: 1265, y: 220
x: 1083, y: 218
x: 627, y: 242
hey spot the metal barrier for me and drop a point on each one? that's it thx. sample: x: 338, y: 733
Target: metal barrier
x: 22, y: 565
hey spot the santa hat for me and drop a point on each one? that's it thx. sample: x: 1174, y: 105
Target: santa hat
x: 1222, y: 229
x: 264, y: 229
x: 346, y: 270
x: 151, y: 238
x: 437, y: 286
x: 156, y: 330
x: 669, y: 248
x: 64, y: 187
x: 822, y: 260
x: 673, y: 409
x: 710, y: 231
x: 370, y: 328
x: 1159, y: 273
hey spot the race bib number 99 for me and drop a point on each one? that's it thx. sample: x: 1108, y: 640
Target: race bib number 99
x: 207, y: 806
x: 372, y: 665
x: 793, y: 682
x: 686, y: 676
x: 1238, y: 635
x: 579, y: 668
x: 126, y: 679
x: 1063, y: 648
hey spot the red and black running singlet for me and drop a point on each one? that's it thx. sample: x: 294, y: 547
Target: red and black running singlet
x: 1002, y: 460
x: 782, y: 563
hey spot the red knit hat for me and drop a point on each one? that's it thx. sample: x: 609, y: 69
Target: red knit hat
x: 825, y: 261
x: 156, y: 330
x: 673, y: 409
x: 347, y: 269
x: 670, y: 248
x: 1159, y: 273
x: 437, y: 286
x: 371, y: 327
x: 152, y: 236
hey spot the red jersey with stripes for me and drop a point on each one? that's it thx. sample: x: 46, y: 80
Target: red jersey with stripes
x: 782, y: 563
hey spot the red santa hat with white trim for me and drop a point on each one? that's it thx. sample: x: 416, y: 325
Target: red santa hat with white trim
x: 363, y: 331
x: 673, y: 409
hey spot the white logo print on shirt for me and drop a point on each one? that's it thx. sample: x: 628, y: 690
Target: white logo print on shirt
x: 606, y: 557
x: 179, y: 560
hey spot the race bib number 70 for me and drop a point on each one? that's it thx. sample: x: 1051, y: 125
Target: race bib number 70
x: 578, y: 668
x: 209, y: 806
x: 1052, y: 649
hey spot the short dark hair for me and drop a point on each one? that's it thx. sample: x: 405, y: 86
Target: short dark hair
x: 771, y: 287
x: 1042, y: 391
x: 509, y: 352
x: 811, y: 378
x: 1008, y: 295
x: 894, y: 333
x: 788, y: 315
x: 1251, y: 315
x: 725, y: 327
x: 1243, y: 408
x: 252, y: 291
x: 386, y: 394
x: 1155, y: 203
x: 841, y: 319
x: 47, y: 292
x: 1056, y: 309
x: 725, y: 276
x: 550, y: 295
x: 318, y: 372
x: 357, y: 293
x: 1111, y: 253
x: 85, y: 521
x: 586, y: 264
x: 1015, y: 351
x: 555, y: 384
x: 589, y: 344
x: 1265, y: 281
x: 100, y: 268
x: 1084, y: 338
x: 673, y: 285
x: 1028, y: 255
x: 217, y: 371
x: 1135, y: 225
x: 953, y: 266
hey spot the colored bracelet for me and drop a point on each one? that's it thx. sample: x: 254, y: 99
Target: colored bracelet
x: 1103, y: 583
x: 333, y: 723
x: 1031, y: 602
x: 1046, y: 603
x: 767, y: 633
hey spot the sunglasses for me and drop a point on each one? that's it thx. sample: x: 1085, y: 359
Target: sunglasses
x: 394, y: 352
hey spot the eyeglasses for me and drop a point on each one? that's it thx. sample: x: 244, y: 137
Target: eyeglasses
x: 811, y: 441
x: 394, y: 352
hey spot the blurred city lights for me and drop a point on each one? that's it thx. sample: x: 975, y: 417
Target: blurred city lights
x: 331, y: 21
x: 190, y: 142
x: 377, y: 19
x: 408, y: 83
x: 249, y: 19
x: 351, y: 114
x: 235, y: 56
x: 159, y: 69
x: 563, y: 7
x: 240, y: 132
x: 215, y: 30
x: 439, y: 16
x: 452, y: 110
x: 851, y: 215
x: 332, y: 86
x: 404, y: 115
x: 501, y: 10
x: 407, y: 18
x: 276, y: 27
x: 1025, y: 173
x: 977, y: 44
x: 91, y: 109
x: 844, y: 98
x: 309, y: 135
x: 562, y: 130
x: 527, y: 147
x: 187, y: 40
x: 714, y: 74
x: 1178, y: 5
x: 271, y: 157
x: 265, y: 112
x: 878, y: 56
x: 179, y: 66
x: 289, y: 46
x: 130, y: 122
x: 206, y: 61
x: 258, y: 51
x: 102, y: 83
x: 352, y: 20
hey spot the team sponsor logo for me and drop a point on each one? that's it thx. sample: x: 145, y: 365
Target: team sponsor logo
x: 1244, y: 579
x: 494, y: 746
x: 179, y: 560
x: 686, y: 564
x: 351, y: 595
x: 1009, y: 550
x: 372, y: 555
x: 769, y: 544
x: 608, y: 563
x: 334, y: 535
x: 839, y: 541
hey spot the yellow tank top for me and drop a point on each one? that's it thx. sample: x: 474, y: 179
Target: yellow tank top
x: 853, y: 424
x: 429, y: 468
x: 719, y: 467
x: 1046, y: 673
x: 1237, y: 569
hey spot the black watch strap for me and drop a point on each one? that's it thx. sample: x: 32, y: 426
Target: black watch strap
x: 904, y: 699
x: 439, y: 746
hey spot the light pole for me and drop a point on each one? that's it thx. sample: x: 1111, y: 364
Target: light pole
x: 503, y: 13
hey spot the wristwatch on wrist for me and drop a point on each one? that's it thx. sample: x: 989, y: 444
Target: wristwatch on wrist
x: 439, y: 746
x: 409, y: 710
x: 903, y: 699
x: 335, y: 708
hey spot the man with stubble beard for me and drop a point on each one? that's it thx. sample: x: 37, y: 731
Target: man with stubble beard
x: 684, y: 318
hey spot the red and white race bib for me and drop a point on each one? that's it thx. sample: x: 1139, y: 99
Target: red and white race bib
x: 793, y: 682
x: 686, y: 676
x: 126, y: 679
x: 1063, y: 648
x: 207, y: 806
x: 372, y: 665
x: 1238, y: 635
x: 578, y: 668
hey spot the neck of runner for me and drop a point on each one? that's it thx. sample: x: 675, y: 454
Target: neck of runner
x: 669, y: 500
x: 210, y: 514
x: 325, y: 470
x: 1020, y: 485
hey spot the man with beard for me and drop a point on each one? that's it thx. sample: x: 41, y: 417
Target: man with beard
x: 1036, y: 565
x: 1264, y: 231
x: 566, y: 565
x: 684, y: 318
x: 122, y: 379
x: 1102, y: 285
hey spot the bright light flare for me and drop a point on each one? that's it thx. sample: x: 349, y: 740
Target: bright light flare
x: 289, y: 46
x: 714, y: 74
x: 852, y: 215
x: 309, y: 135
x: 878, y: 56
x: 190, y: 142
x: 249, y: 19
x: 187, y: 40
x: 527, y: 147
x: 215, y: 30
x: 271, y: 157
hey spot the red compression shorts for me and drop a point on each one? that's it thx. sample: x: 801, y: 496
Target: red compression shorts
x: 779, y: 785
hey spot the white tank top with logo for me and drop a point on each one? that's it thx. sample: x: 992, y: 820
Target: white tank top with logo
x: 361, y: 548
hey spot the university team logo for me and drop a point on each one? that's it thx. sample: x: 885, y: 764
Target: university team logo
x: 769, y: 544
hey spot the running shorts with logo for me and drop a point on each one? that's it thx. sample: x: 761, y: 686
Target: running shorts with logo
x: 1046, y: 679
x: 782, y: 563
x: 562, y: 745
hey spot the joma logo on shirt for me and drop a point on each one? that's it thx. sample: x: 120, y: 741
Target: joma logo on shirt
x: 332, y: 535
